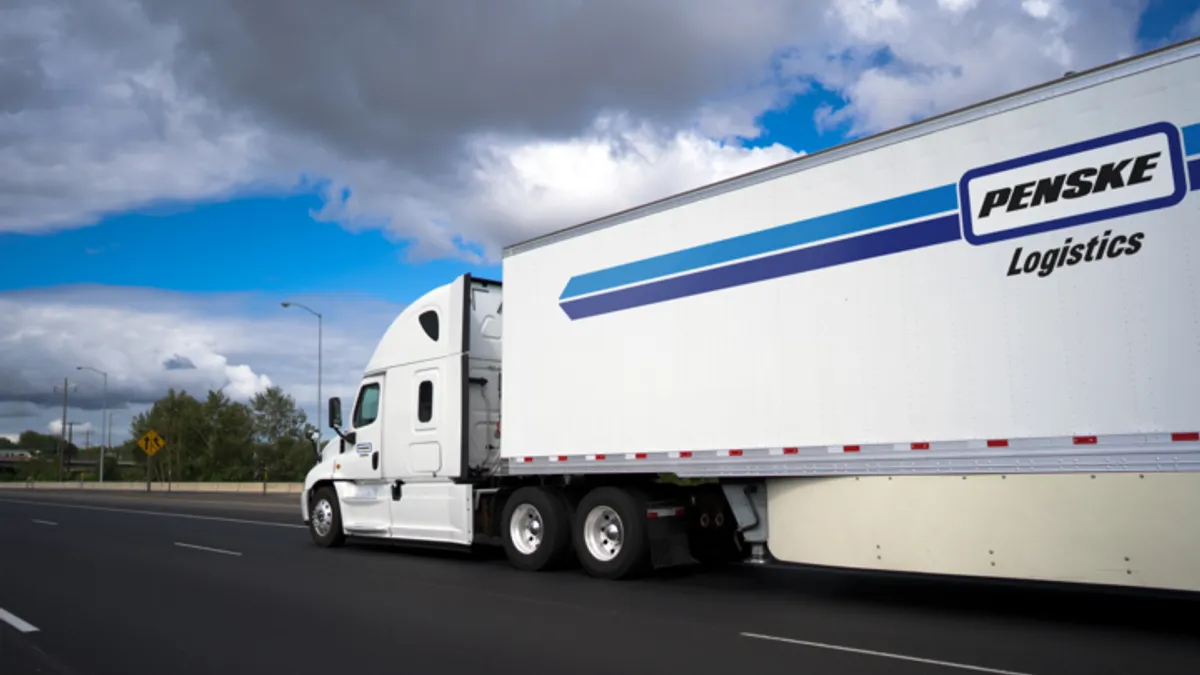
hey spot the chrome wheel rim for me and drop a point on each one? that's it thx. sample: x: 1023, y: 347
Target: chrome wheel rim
x: 603, y: 533
x: 322, y: 517
x: 526, y: 529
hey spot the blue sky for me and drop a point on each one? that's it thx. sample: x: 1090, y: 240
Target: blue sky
x: 184, y: 215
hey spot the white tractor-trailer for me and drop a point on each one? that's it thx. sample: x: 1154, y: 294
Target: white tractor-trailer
x: 968, y: 346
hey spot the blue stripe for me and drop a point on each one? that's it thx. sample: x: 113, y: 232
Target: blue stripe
x: 858, y: 219
x: 1191, y: 140
x: 872, y: 245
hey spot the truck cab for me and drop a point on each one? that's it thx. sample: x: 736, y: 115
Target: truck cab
x: 423, y: 426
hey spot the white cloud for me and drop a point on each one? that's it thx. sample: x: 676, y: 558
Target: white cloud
x: 517, y: 188
x: 957, y: 6
x: 149, y: 342
x: 901, y: 62
x: 78, y: 429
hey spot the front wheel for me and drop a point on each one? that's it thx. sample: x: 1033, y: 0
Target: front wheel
x: 325, y: 519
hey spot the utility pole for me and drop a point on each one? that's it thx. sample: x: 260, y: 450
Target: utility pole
x: 62, y: 443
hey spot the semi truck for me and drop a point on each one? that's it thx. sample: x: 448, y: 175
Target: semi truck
x: 968, y: 346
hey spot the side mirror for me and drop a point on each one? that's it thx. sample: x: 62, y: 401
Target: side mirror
x: 335, y: 412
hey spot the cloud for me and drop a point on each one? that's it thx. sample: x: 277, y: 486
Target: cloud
x: 178, y: 362
x: 898, y: 62
x: 78, y: 429
x: 240, y: 344
x: 518, y: 188
x: 92, y: 120
x: 464, y: 126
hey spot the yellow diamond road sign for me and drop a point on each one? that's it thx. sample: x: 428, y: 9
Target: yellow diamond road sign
x: 151, y: 442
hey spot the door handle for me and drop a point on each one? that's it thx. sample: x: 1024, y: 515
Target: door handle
x: 375, y: 460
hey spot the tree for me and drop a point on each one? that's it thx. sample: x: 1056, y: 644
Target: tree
x: 280, y: 428
x: 214, y: 439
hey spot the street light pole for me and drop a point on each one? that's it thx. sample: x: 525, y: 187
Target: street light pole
x: 320, y: 338
x: 104, y: 420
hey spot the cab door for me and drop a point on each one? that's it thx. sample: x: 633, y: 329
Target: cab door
x: 358, y: 471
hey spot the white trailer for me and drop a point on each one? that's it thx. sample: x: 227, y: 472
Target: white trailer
x: 968, y: 346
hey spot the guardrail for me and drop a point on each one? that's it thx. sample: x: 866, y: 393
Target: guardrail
x: 134, y: 486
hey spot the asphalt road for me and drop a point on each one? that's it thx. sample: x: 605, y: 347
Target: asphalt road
x: 183, y: 584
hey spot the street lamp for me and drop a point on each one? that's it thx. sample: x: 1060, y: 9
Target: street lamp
x: 319, y: 331
x: 104, y: 420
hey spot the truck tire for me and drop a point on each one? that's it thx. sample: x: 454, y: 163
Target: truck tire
x: 325, y: 518
x: 611, y: 534
x: 536, y: 527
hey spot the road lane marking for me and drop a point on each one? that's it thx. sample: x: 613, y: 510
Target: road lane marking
x: 39, y: 521
x: 17, y: 622
x: 164, y: 514
x: 886, y: 655
x: 206, y: 548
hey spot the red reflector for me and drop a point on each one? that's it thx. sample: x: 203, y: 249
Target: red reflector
x: 685, y: 454
x: 920, y: 446
x: 735, y: 453
x: 791, y: 451
x: 998, y: 443
x: 851, y: 448
x: 1186, y: 438
x: 652, y: 514
x: 562, y: 458
x: 680, y: 511
x: 640, y: 455
x: 1085, y: 440
x: 600, y: 458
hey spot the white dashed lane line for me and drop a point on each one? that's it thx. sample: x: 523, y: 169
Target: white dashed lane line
x: 160, y: 514
x: 39, y: 521
x: 17, y: 622
x: 886, y: 655
x: 206, y: 549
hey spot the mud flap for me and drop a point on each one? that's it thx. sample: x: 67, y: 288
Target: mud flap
x: 669, y: 542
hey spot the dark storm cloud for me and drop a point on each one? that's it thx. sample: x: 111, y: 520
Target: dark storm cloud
x: 407, y: 79
x: 178, y: 362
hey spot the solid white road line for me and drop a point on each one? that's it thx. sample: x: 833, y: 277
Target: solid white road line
x: 205, y: 548
x: 39, y: 521
x: 190, y: 516
x: 17, y: 622
x: 886, y: 655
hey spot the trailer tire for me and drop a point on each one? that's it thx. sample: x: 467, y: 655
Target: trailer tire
x: 540, y: 539
x: 611, y: 534
x: 325, y: 518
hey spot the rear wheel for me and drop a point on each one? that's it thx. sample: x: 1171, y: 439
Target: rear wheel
x: 611, y: 536
x: 325, y: 518
x: 536, y: 529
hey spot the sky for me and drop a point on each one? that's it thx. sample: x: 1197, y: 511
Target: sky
x: 171, y: 170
